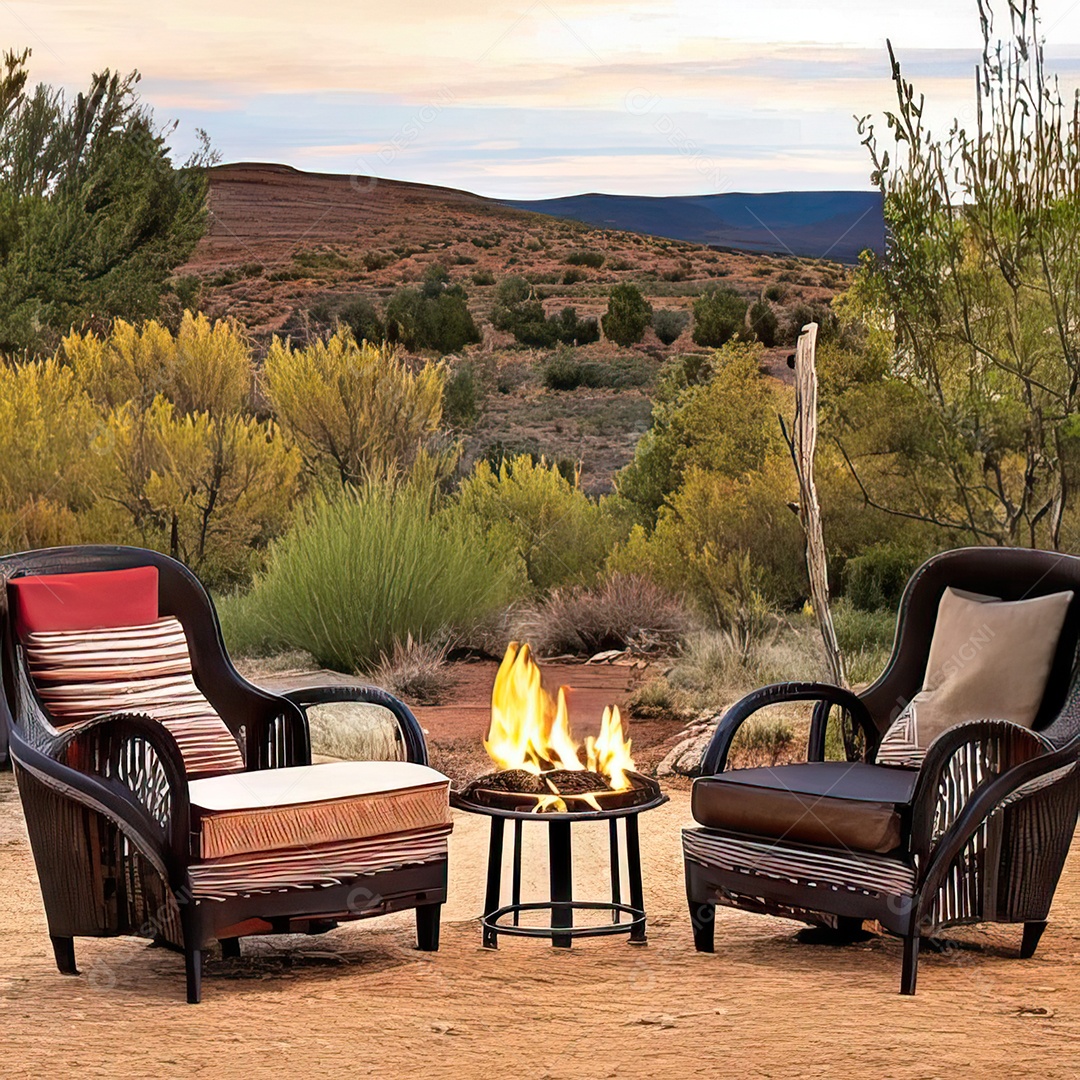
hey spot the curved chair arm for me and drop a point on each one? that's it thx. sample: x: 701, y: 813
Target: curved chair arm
x: 959, y: 763
x: 87, y: 771
x: 988, y: 799
x: 136, y: 755
x: 415, y: 744
x: 714, y: 759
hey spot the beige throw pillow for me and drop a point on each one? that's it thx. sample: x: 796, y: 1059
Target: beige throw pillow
x: 989, y: 659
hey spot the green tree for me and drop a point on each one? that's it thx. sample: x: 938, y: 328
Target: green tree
x: 980, y: 290
x: 93, y: 214
x: 628, y: 314
x: 718, y: 316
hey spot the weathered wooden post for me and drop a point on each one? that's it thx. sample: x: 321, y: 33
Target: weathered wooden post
x: 803, y: 443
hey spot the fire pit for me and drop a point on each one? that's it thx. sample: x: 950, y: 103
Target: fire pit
x: 541, y: 778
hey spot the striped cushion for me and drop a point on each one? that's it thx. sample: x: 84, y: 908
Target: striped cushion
x: 324, y: 865
x: 310, y: 805
x: 900, y: 744
x: 824, y: 868
x: 80, y: 674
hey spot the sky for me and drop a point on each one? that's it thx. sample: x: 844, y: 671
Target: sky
x: 532, y: 98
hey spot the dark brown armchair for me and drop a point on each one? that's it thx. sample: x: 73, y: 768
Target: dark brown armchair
x: 166, y: 797
x: 979, y: 832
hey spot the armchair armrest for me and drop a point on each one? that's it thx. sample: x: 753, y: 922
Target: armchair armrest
x: 987, y: 798
x: 959, y: 764
x: 411, y: 732
x: 826, y: 695
x: 129, y: 768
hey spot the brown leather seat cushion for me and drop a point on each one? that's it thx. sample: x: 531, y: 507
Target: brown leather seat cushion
x: 835, y: 803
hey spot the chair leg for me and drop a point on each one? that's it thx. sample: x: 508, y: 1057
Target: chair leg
x: 194, y: 963
x: 427, y: 927
x: 64, y: 951
x: 230, y: 948
x: 703, y: 920
x: 1032, y: 932
x: 911, y: 964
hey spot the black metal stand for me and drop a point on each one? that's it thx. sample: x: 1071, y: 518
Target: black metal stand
x: 625, y: 918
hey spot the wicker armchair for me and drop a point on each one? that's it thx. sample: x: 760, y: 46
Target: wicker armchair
x: 119, y: 828
x: 978, y: 833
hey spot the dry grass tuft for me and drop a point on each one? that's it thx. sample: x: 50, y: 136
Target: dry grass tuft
x: 625, y: 612
x: 414, y: 671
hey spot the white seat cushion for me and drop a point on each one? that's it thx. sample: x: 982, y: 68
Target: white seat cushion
x: 308, y: 805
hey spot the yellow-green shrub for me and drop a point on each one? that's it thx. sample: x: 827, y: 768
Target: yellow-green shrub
x: 205, y: 367
x: 211, y: 491
x: 353, y: 408
x: 562, y: 536
x: 719, y: 540
x: 47, y: 427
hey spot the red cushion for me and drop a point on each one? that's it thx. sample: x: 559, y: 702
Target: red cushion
x: 85, y: 601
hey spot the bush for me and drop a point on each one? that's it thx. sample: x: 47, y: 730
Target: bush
x: 726, y: 424
x: 461, y: 396
x: 205, y: 367
x: 520, y: 311
x: 575, y: 331
x: 435, y: 316
x: 483, y: 277
x: 625, y: 612
x: 718, y: 317
x: 707, y: 534
x: 801, y: 314
x: 572, y: 277
x: 361, y: 318
x: 414, y: 671
x: 669, y: 323
x: 764, y: 324
x: 211, y: 490
x: 876, y: 578
x: 628, y: 314
x: 865, y: 638
x: 563, y: 372
x: 352, y: 407
x: 595, y: 259
x: 559, y: 533
x: 357, y: 574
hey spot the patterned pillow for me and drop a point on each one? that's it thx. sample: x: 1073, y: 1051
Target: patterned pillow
x: 80, y: 674
x: 988, y: 658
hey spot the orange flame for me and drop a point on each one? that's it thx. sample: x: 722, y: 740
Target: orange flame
x: 530, y: 731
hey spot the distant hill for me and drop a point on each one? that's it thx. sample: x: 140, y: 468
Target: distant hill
x: 818, y: 224
x: 281, y: 242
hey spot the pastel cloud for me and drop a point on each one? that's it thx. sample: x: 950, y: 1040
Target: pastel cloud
x: 544, y: 97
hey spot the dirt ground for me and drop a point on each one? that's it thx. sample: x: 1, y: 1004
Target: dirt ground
x: 361, y: 1001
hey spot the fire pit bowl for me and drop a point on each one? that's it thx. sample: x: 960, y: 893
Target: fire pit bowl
x: 643, y: 794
